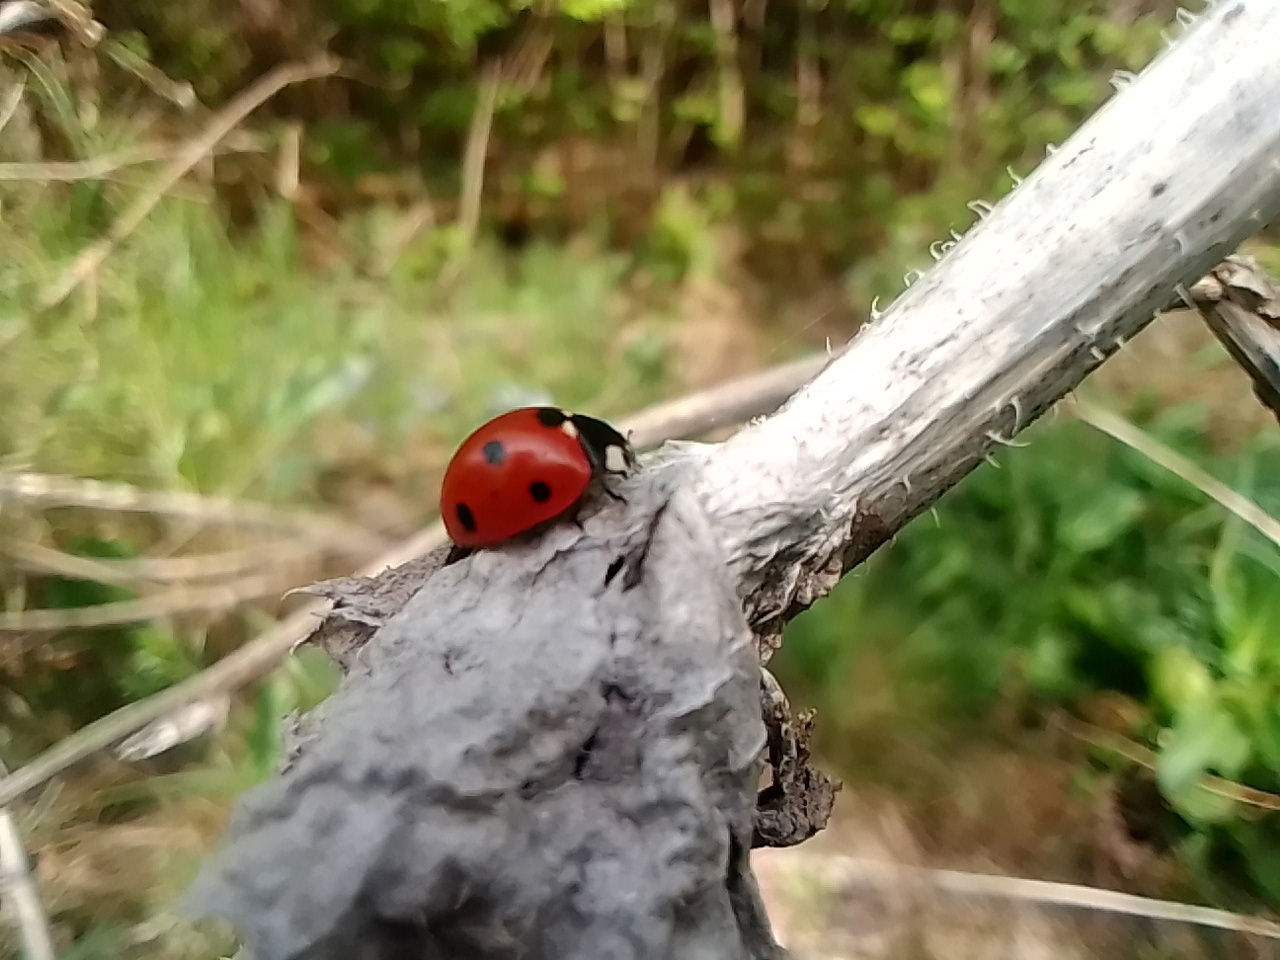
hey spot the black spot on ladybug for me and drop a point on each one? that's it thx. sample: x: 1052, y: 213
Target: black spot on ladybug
x: 551, y: 416
x: 466, y: 517
x: 540, y: 491
x: 493, y: 452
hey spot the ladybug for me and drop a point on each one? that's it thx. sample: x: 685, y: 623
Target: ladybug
x: 524, y: 469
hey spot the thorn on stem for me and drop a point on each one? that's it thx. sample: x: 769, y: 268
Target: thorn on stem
x: 982, y: 208
x: 1122, y: 78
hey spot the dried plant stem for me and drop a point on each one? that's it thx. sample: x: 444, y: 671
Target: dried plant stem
x: 1121, y: 429
x: 18, y: 891
x: 47, y: 490
x: 170, y: 603
x: 100, y: 168
x: 11, y: 101
x: 851, y: 871
x: 1144, y: 757
x: 473, y: 168
x: 209, y: 566
x: 35, y: 556
x: 732, y: 96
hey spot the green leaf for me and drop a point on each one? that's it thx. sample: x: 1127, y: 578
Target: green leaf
x: 929, y: 89
x: 1204, y: 738
x: 1102, y: 522
x: 1179, y: 680
x: 593, y: 9
x: 1049, y: 663
x: 877, y: 119
x: 1005, y: 58
x: 1259, y: 846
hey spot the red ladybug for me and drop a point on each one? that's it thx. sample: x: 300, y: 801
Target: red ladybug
x: 525, y: 468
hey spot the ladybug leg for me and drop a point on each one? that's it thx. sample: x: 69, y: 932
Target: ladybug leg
x: 457, y: 553
x: 604, y: 485
x: 572, y: 515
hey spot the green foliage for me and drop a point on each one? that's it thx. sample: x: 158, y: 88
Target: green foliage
x: 1077, y: 566
x: 682, y: 240
x: 916, y: 108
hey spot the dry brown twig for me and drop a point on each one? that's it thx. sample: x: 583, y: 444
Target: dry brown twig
x: 90, y: 259
x: 77, y: 19
x: 237, y: 575
x: 180, y: 93
x: 289, y: 162
x: 183, y: 725
x: 75, y: 16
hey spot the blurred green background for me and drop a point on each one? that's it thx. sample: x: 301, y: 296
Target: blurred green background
x: 671, y: 193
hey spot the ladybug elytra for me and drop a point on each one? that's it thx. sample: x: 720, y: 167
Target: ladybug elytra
x: 525, y: 468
